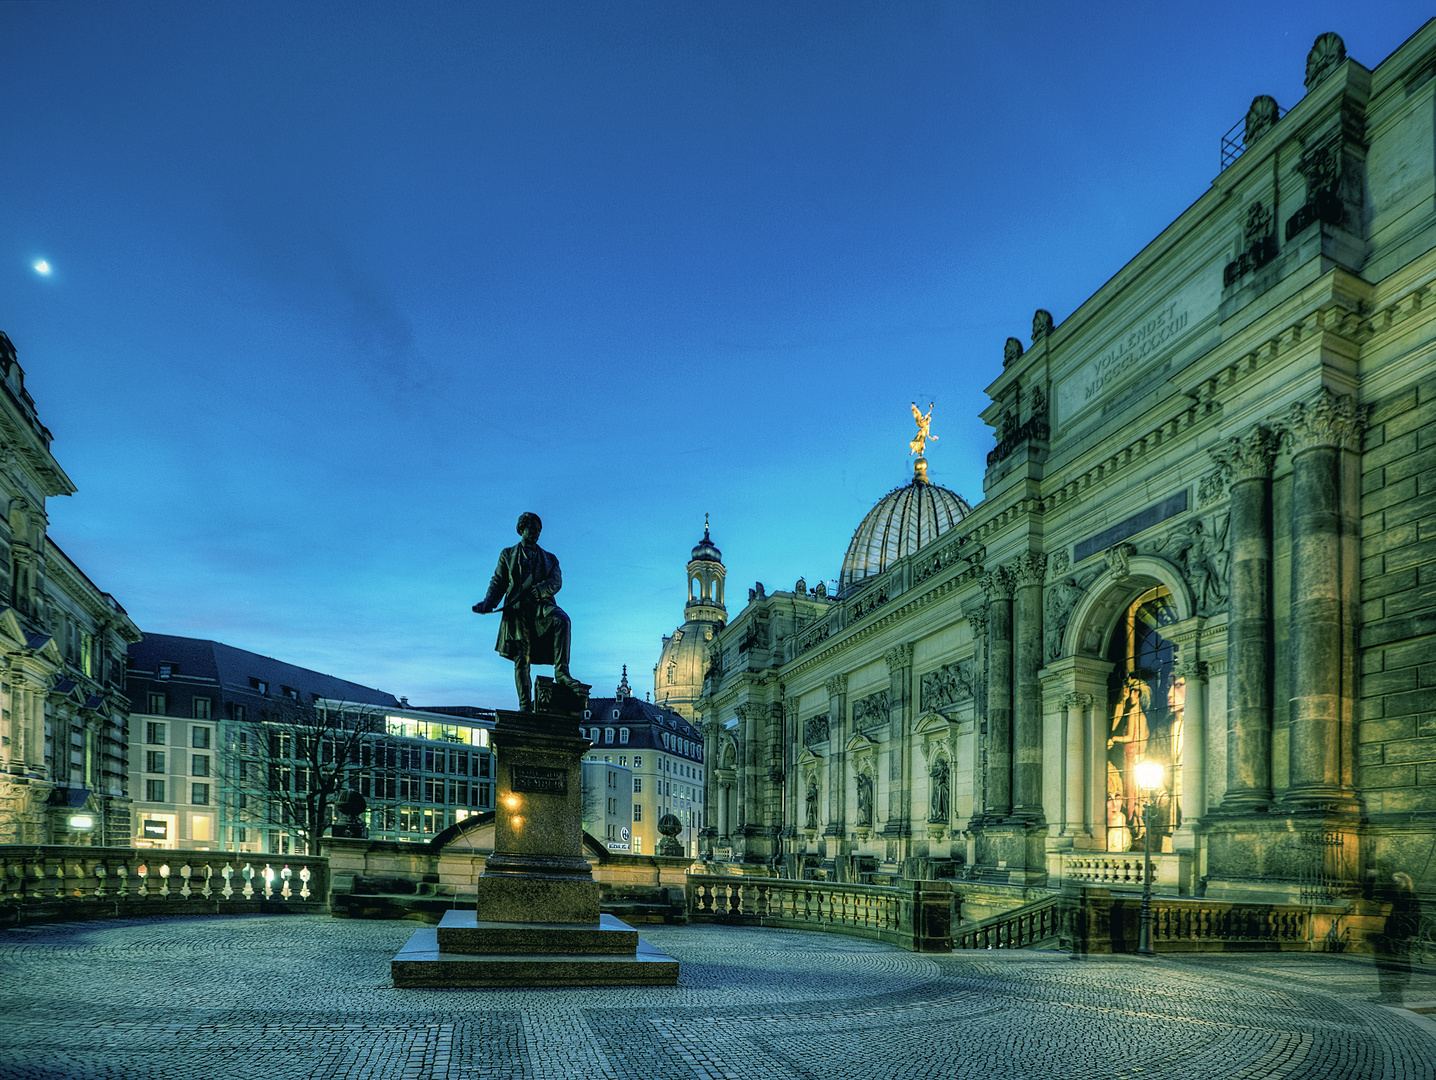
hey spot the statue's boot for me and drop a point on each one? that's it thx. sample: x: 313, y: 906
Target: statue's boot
x: 568, y: 682
x: 524, y: 685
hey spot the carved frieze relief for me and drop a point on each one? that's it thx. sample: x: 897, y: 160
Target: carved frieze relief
x: 871, y: 711
x: 815, y: 730
x: 949, y: 686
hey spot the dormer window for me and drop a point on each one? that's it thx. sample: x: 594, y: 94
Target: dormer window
x: 258, y: 684
x: 623, y: 736
x: 615, y: 714
x: 166, y: 670
x: 608, y: 735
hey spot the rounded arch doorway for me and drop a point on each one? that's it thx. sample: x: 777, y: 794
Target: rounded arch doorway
x: 1145, y: 707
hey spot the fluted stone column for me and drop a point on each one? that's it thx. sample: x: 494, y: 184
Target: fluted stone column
x: 1247, y: 460
x: 837, y: 687
x: 1027, y: 688
x: 744, y: 811
x: 1317, y: 430
x: 998, y: 781
x: 1075, y: 771
x: 899, y: 662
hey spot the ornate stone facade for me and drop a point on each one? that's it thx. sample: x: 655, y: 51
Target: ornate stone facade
x: 63, y: 713
x: 1215, y: 554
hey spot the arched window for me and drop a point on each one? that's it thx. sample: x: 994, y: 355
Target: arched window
x: 1145, y: 703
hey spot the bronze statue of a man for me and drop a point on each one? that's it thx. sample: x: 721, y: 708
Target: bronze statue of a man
x: 534, y: 629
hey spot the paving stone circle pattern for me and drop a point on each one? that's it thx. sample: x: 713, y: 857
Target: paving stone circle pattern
x: 301, y: 996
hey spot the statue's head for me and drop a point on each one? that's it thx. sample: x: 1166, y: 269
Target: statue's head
x: 530, y: 525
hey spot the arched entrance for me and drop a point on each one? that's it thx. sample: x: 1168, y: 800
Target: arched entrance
x: 1145, y: 707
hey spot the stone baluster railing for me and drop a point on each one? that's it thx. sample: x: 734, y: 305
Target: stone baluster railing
x: 57, y: 876
x: 916, y: 916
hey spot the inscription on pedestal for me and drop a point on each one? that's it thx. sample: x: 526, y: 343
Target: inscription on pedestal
x: 539, y: 779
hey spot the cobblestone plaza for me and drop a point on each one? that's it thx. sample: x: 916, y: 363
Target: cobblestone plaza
x: 299, y: 996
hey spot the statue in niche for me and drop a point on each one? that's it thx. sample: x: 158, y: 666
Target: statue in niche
x: 940, y: 805
x: 865, y: 800
x: 919, y: 442
x: 811, y: 820
x: 534, y: 630
x: 1327, y: 53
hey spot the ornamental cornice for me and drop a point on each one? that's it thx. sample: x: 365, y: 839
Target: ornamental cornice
x: 1249, y: 456
x: 901, y: 608
x: 1328, y: 421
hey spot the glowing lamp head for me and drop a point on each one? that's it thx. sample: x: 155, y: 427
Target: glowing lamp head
x: 1149, y: 774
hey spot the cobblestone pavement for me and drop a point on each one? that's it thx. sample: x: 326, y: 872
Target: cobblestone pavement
x: 300, y: 996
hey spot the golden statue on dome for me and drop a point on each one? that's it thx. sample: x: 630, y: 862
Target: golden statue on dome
x: 919, y: 442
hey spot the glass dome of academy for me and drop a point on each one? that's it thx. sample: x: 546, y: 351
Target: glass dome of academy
x: 1198, y: 542
x: 904, y: 520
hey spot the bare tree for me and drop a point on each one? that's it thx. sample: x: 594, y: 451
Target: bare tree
x: 293, y: 762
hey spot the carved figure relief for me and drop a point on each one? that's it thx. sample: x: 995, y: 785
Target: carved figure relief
x: 815, y: 730
x: 949, y: 686
x: 1258, y: 223
x: 1057, y: 612
x: 871, y: 711
x: 1202, y: 557
x: 1210, y: 488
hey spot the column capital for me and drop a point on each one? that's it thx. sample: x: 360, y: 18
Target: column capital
x: 1077, y: 701
x: 898, y: 657
x: 1328, y: 420
x: 977, y: 619
x: 1029, y: 569
x: 837, y: 685
x: 1249, y: 456
x: 998, y: 584
x: 1192, y: 670
x: 790, y: 706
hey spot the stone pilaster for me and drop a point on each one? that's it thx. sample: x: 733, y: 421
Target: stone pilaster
x: 1317, y: 432
x: 997, y: 783
x: 1075, y: 772
x: 977, y: 621
x: 1193, y: 747
x: 1028, y: 574
x: 837, y: 687
x: 899, y: 662
x: 1247, y: 461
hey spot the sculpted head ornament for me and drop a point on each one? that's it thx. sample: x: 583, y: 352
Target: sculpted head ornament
x: 1260, y: 117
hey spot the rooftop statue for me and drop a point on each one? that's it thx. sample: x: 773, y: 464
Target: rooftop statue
x: 919, y: 442
x: 534, y: 629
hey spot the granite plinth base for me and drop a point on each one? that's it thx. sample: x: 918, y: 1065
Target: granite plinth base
x: 531, y: 898
x: 464, y: 952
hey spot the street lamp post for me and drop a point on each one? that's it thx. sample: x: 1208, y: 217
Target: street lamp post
x: 1149, y: 780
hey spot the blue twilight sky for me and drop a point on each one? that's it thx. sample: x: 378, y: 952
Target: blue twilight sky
x: 338, y: 290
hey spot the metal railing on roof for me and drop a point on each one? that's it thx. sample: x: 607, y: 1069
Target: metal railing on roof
x: 1234, y: 141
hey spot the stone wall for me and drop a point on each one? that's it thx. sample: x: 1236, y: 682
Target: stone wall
x: 1397, y: 733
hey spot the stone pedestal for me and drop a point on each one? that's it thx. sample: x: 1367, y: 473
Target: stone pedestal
x: 536, y: 920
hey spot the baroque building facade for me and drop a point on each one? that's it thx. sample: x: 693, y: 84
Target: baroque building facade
x: 62, y: 646
x: 1207, y: 538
